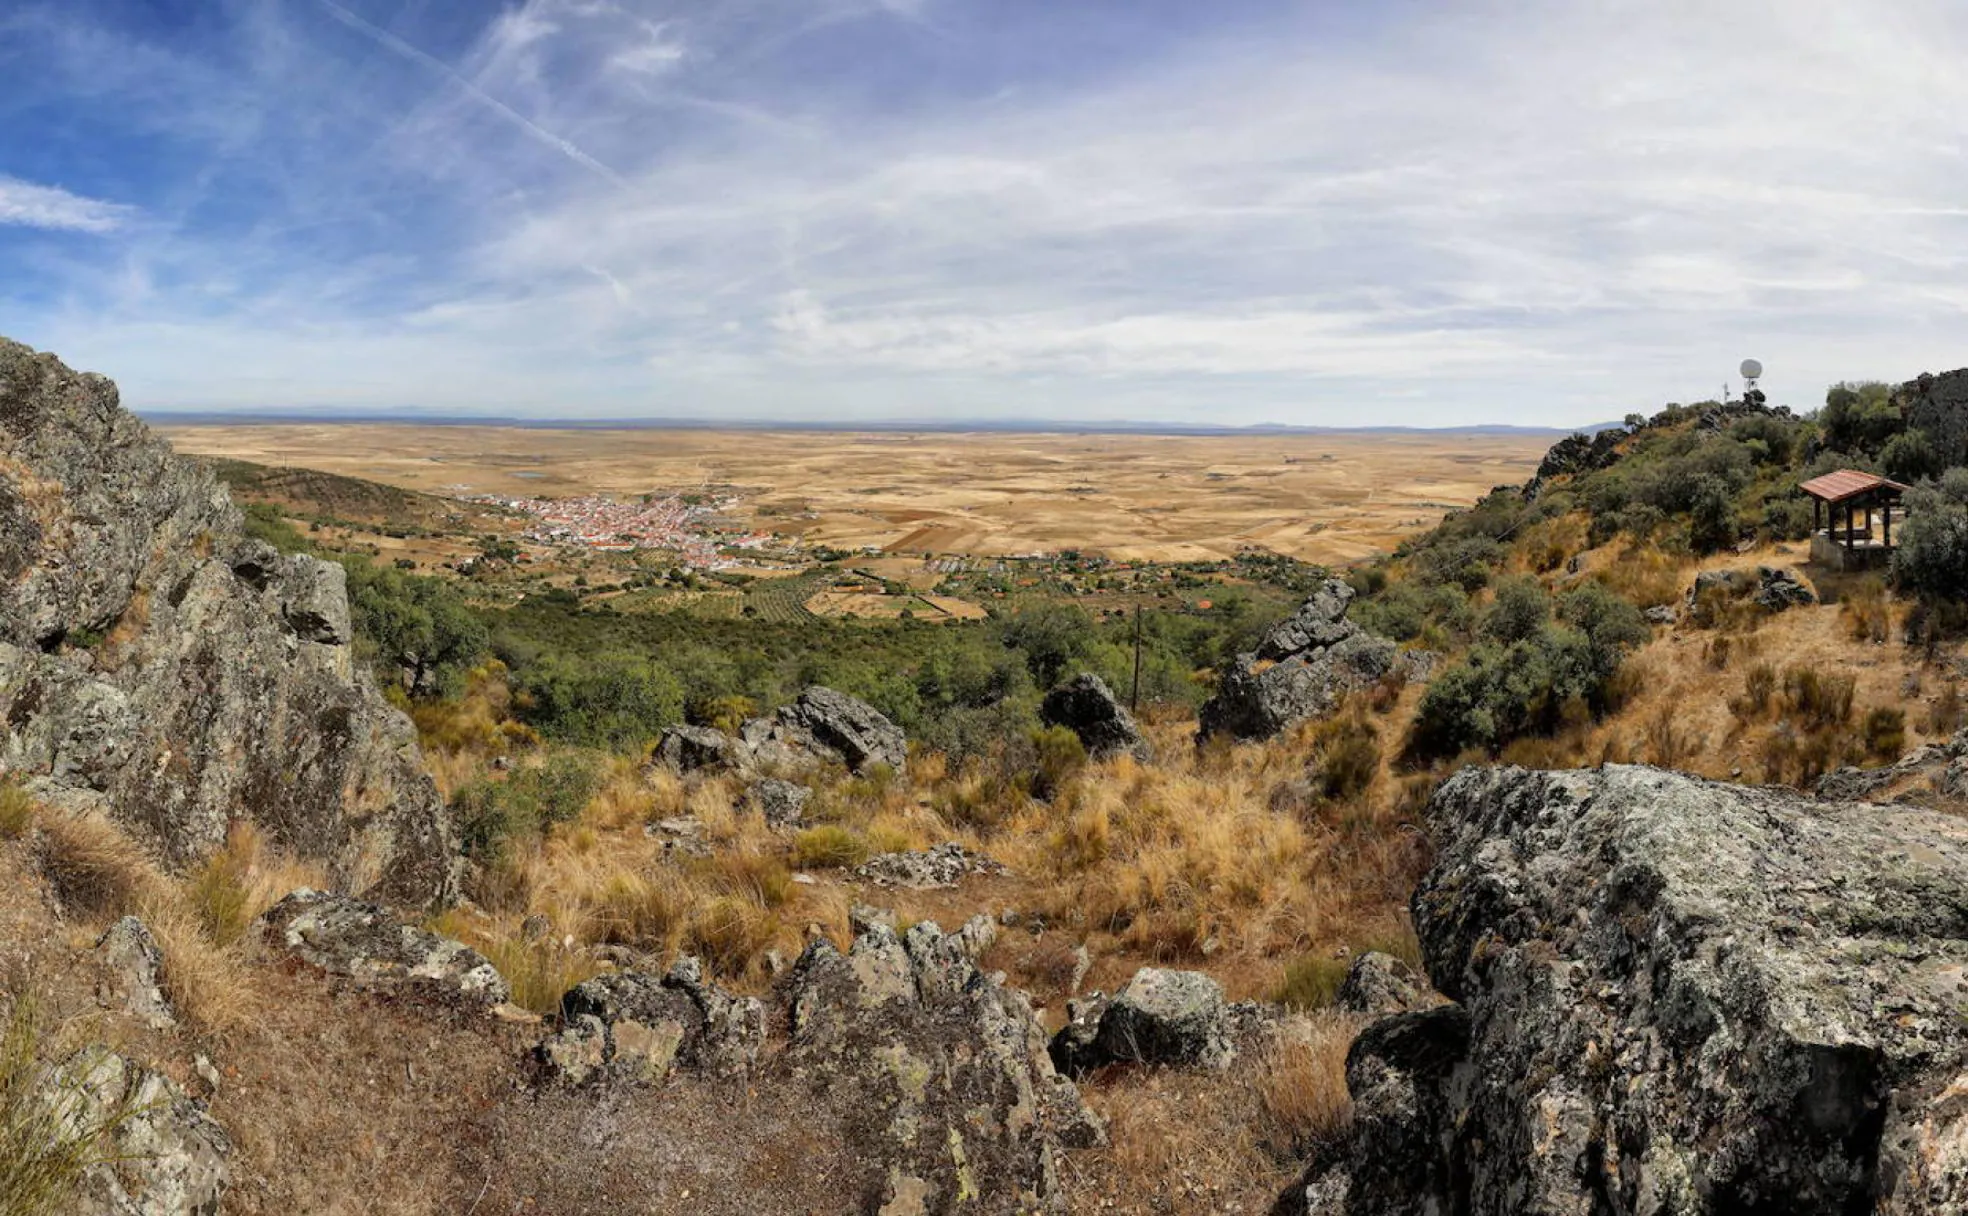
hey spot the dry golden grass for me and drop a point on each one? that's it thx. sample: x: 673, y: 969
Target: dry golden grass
x: 101, y: 873
x: 1327, y: 498
x: 16, y: 811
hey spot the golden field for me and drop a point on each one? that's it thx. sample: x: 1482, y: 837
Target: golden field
x: 1325, y: 498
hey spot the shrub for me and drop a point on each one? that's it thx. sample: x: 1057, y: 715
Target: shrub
x: 491, y: 813
x: 1348, y: 757
x: 1518, y: 612
x: 1945, y: 715
x: 1759, y: 686
x: 1932, y: 558
x: 1885, y: 733
x: 828, y: 846
x: 1818, y: 701
x: 1061, y: 756
x: 1712, y: 516
x: 1312, y: 982
x: 16, y: 810
x: 1865, y: 612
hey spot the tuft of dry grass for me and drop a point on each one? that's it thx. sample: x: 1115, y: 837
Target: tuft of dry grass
x: 103, y: 874
x: 47, y: 1137
x: 16, y: 811
x: 1303, y: 1102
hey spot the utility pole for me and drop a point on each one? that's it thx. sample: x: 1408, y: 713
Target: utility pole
x: 1134, y: 693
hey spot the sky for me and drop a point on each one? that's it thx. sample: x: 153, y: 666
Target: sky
x: 1329, y: 212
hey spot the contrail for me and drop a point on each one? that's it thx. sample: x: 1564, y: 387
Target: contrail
x: 391, y: 42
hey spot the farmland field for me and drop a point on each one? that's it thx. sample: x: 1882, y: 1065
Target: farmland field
x: 1326, y: 498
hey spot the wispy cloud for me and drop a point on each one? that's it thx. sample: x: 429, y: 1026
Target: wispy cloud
x: 30, y: 206
x: 509, y: 31
x: 1420, y: 212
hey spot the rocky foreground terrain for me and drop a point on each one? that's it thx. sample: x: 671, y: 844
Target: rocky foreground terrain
x: 1646, y: 993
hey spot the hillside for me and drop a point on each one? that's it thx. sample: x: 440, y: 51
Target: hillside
x: 719, y: 913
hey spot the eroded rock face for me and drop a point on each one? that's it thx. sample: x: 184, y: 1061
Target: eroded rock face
x: 1675, y: 996
x: 1300, y: 670
x: 1085, y: 706
x: 691, y: 749
x: 167, y: 1156
x: 956, y: 1107
x: 1938, y: 405
x: 158, y: 662
x: 345, y: 936
x: 1379, y: 983
x: 780, y: 803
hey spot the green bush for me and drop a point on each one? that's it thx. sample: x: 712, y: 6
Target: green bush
x: 1885, y: 733
x: 1060, y: 756
x: 493, y: 813
x: 1312, y: 982
x: 1519, y: 611
x: 1932, y: 558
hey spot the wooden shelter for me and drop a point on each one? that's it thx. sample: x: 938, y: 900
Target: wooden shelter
x: 1858, y: 498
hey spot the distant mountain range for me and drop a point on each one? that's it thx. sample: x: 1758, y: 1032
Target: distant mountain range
x: 958, y: 426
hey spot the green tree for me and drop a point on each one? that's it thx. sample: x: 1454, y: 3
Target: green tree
x: 1932, y: 558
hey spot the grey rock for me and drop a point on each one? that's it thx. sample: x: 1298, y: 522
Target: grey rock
x: 824, y: 726
x: 1085, y: 706
x: 165, y: 1155
x: 780, y: 803
x: 692, y: 749
x: 956, y: 1106
x: 1320, y: 621
x: 347, y: 937
x: 630, y: 1026
x: 1661, y: 614
x: 1381, y: 984
x: 944, y: 865
x: 1073, y: 1049
x: 135, y: 964
x: 1938, y: 406
x: 1160, y: 1017
x: 1780, y: 587
x: 1256, y: 700
x: 1674, y: 996
x: 227, y: 690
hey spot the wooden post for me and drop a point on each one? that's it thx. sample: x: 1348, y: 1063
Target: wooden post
x: 1886, y: 524
x: 1851, y: 522
x: 1817, y: 516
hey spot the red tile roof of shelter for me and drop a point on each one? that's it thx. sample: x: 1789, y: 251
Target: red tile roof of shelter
x: 1847, y: 483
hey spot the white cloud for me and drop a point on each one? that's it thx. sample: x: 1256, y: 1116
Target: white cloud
x: 30, y: 206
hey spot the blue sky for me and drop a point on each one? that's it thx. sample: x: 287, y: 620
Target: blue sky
x: 1332, y: 213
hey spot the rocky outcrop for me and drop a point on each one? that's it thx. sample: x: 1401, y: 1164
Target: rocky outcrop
x: 822, y: 725
x: 1772, y: 588
x: 163, y: 1155
x: 1938, y: 405
x: 953, y: 1104
x: 348, y: 937
x: 1300, y: 670
x: 692, y: 749
x: 157, y: 662
x: 636, y: 1027
x: 1176, y: 1018
x: 780, y: 803
x: 1085, y: 706
x: 1674, y: 996
x: 943, y: 865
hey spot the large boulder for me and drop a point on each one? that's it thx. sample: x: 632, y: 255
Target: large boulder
x: 159, y: 663
x: 1675, y: 996
x: 1175, y: 1018
x: 953, y: 1104
x: 364, y: 942
x: 1381, y: 984
x: 942, y: 865
x: 822, y: 725
x: 1085, y: 706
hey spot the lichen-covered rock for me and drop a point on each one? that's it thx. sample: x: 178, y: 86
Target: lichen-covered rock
x: 1676, y: 996
x: 780, y: 803
x: 691, y: 749
x: 953, y: 1104
x: 164, y: 1156
x: 1379, y: 983
x: 154, y: 657
x: 1167, y: 1017
x: 630, y: 1026
x: 345, y: 936
x: 824, y: 726
x: 134, y: 965
x: 1937, y: 405
x: 1085, y: 706
x: 942, y: 865
x: 1301, y: 669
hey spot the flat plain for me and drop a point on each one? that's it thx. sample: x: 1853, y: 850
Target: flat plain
x: 1331, y: 498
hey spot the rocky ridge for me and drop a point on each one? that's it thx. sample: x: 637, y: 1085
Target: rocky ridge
x: 1301, y: 669
x: 1672, y: 996
x: 161, y: 666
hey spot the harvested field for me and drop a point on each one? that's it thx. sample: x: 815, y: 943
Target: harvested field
x: 1329, y: 498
